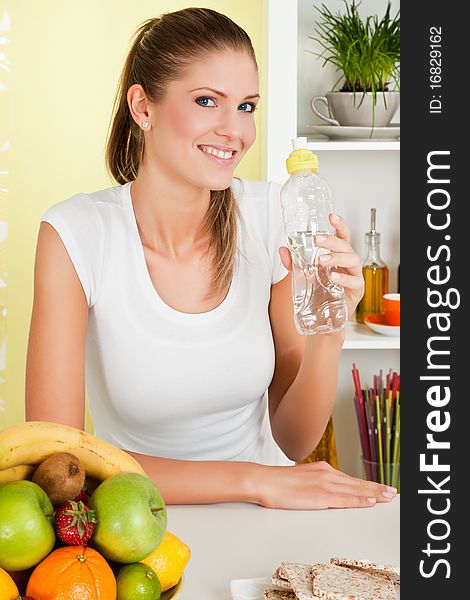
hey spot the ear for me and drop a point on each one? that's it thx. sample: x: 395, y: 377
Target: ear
x: 138, y: 105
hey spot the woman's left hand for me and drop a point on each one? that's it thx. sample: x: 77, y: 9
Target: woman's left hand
x: 348, y: 264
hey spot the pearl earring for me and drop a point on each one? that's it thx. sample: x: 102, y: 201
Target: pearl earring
x: 145, y: 124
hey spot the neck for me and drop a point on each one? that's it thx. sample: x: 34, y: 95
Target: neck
x: 170, y: 212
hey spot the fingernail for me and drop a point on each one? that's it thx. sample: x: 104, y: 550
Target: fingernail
x: 371, y: 500
x: 388, y: 494
x: 391, y: 489
x: 320, y: 238
x: 336, y: 217
x: 335, y: 275
x: 325, y: 258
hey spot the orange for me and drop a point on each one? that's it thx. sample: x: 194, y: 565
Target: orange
x: 72, y: 573
x: 8, y: 589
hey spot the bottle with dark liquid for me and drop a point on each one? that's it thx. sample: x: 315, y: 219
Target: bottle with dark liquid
x: 375, y: 273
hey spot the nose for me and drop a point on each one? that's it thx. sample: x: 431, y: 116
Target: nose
x: 230, y: 124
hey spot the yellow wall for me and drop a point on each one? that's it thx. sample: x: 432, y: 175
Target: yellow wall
x: 65, y: 58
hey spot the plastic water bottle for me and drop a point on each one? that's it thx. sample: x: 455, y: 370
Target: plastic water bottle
x: 319, y: 304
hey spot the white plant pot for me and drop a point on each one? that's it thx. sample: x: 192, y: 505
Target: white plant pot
x: 351, y: 109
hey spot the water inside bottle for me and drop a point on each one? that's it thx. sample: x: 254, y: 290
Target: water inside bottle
x: 319, y: 304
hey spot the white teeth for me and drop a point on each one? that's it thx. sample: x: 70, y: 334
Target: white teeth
x: 215, y: 152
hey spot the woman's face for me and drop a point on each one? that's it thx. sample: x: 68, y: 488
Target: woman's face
x: 204, y: 124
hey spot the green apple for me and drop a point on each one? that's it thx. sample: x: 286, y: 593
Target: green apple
x: 26, y: 525
x: 131, y: 517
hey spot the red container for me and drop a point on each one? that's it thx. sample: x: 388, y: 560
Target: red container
x: 391, y: 304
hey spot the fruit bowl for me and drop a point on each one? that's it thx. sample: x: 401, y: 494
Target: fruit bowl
x: 174, y: 592
x: 119, y: 492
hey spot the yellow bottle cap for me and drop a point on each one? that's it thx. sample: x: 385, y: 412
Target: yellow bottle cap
x: 302, y: 159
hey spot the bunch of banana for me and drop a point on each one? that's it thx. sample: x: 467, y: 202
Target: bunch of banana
x: 24, y: 446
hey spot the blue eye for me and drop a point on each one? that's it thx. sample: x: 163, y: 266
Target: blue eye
x: 247, y: 107
x: 204, y: 101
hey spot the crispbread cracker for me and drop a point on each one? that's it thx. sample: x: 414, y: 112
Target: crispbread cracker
x: 272, y: 594
x: 369, y: 567
x: 278, y: 580
x: 299, y: 577
x: 340, y: 583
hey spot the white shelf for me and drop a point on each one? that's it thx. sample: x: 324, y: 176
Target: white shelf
x: 322, y: 144
x: 362, y: 173
x: 360, y: 337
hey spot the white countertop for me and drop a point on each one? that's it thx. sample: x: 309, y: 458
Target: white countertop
x: 239, y: 541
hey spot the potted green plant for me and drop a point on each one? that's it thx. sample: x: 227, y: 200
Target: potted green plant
x: 367, y: 53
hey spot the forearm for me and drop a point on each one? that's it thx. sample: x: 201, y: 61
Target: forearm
x: 202, y: 482
x: 303, y: 412
x: 309, y: 486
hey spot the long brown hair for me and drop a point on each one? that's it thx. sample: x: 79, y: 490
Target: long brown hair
x: 161, y: 48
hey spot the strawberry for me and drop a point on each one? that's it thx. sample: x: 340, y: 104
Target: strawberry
x: 74, y: 523
x: 84, y: 496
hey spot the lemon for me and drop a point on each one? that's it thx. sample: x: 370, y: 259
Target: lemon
x: 169, y: 560
x: 137, y: 581
x: 8, y: 589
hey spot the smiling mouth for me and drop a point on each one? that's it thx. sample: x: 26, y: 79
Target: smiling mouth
x: 219, y: 154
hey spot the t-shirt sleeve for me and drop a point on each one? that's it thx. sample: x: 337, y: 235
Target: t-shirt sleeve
x: 275, y: 233
x: 78, y: 224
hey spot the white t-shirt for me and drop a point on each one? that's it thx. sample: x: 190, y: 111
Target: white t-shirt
x: 163, y: 382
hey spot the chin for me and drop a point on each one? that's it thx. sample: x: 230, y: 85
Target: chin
x: 219, y: 183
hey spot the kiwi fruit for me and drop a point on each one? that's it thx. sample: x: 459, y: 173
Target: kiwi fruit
x: 61, y: 476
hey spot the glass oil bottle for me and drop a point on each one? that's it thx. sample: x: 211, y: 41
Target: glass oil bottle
x: 375, y: 273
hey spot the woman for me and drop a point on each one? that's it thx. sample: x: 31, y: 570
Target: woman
x: 168, y: 290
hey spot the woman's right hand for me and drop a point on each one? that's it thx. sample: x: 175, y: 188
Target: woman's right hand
x: 317, y: 485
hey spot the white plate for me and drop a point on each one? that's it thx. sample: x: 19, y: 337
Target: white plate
x: 252, y: 589
x: 390, y: 330
x: 337, y: 132
x: 249, y: 589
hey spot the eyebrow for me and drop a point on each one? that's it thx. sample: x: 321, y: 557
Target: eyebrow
x: 222, y: 93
